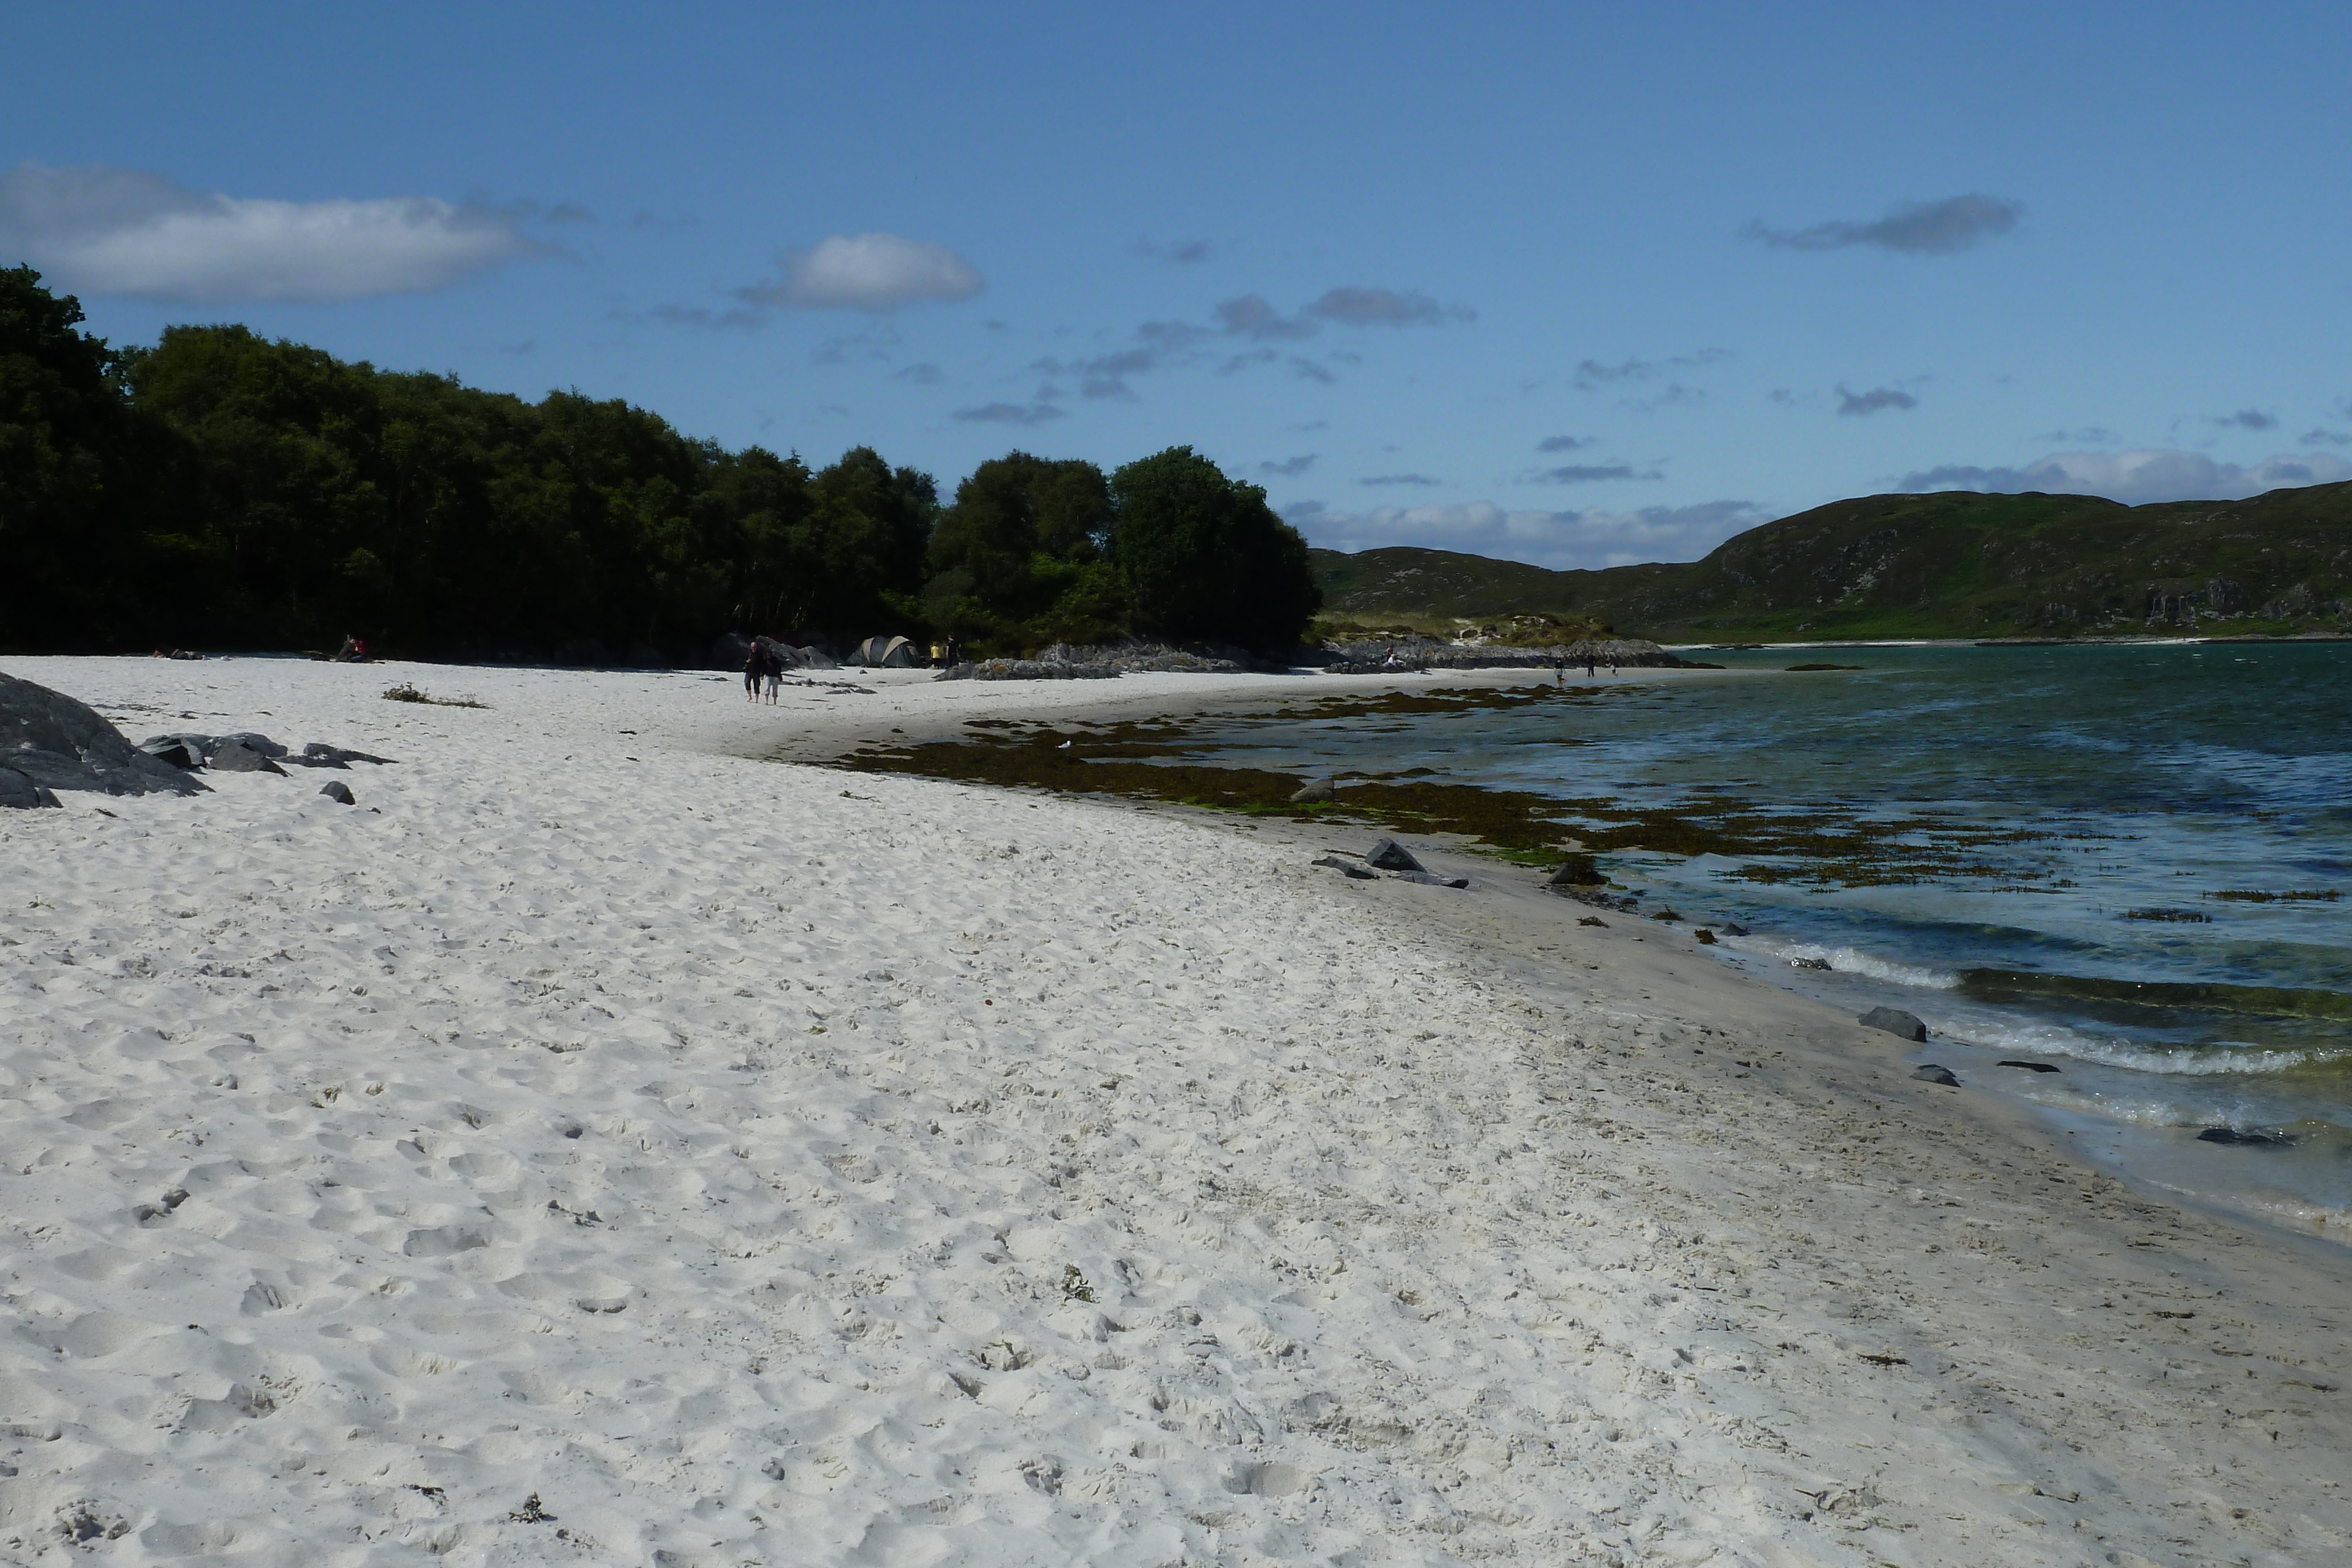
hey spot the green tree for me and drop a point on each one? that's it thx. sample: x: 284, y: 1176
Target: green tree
x: 1204, y: 557
x: 86, y: 487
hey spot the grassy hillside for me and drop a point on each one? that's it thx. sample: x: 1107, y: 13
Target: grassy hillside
x: 1947, y: 565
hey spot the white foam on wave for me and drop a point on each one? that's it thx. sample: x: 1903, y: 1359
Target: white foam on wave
x: 1848, y: 961
x: 2204, y: 1060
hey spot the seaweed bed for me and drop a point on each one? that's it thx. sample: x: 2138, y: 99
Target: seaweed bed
x: 1162, y: 759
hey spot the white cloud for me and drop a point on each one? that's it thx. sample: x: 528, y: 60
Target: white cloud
x: 122, y: 231
x: 1596, y: 537
x: 866, y: 272
x: 2139, y: 478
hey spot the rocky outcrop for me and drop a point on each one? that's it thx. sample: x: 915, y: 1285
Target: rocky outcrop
x: 61, y: 743
x: 1388, y: 655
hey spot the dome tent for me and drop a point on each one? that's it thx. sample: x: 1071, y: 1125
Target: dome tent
x: 884, y: 653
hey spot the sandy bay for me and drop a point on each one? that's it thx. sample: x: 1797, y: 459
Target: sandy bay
x: 753, y: 1162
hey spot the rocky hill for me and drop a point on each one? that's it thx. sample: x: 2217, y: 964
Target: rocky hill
x: 1953, y: 564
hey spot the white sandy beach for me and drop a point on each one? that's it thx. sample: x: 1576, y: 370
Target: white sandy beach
x: 601, y: 1147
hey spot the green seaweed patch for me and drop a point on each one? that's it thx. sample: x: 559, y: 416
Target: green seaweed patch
x: 1160, y: 759
x: 2253, y: 895
x: 2183, y: 916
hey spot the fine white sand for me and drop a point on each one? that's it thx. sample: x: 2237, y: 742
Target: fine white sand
x: 756, y: 1163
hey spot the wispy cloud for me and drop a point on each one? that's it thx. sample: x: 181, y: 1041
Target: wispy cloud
x: 924, y: 375
x: 1917, y: 229
x: 1010, y: 414
x: 1252, y: 316
x: 1184, y: 252
x: 2316, y: 436
x: 865, y: 272
x: 101, y: 230
x: 1289, y: 467
x: 1562, y: 539
x: 1359, y: 306
x: 2135, y: 477
x: 1861, y: 405
x: 1400, y: 479
x: 1564, y: 443
x: 1594, y: 472
x: 2246, y: 419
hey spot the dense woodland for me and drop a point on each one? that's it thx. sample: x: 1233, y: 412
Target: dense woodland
x: 219, y: 490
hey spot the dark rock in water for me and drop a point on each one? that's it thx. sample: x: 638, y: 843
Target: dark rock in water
x: 184, y: 751
x: 1315, y: 790
x: 338, y: 791
x: 18, y: 791
x: 1389, y: 856
x: 1665, y: 914
x: 1431, y: 878
x: 1809, y: 963
x: 1733, y: 928
x: 61, y: 744
x: 1931, y: 1073
x: 1591, y: 920
x: 2030, y: 1066
x: 253, y: 742
x: 1347, y: 868
x: 1579, y: 871
x: 1894, y: 1021
x: 235, y: 757
x: 2252, y: 1140
x: 1706, y: 937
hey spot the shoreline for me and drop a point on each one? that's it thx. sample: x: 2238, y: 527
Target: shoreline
x: 1503, y: 1234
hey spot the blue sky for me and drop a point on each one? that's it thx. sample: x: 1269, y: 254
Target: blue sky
x: 1574, y: 284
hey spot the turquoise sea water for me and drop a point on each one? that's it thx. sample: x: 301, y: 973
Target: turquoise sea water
x: 2086, y: 784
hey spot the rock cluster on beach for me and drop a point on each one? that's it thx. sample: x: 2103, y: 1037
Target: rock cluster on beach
x: 49, y: 741
x: 52, y: 742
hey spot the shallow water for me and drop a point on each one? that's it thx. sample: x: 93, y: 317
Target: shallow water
x: 2087, y: 785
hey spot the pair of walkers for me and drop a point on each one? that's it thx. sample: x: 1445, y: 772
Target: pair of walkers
x: 763, y: 673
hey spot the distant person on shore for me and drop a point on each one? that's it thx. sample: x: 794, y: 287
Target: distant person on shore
x: 352, y: 652
x: 1590, y: 672
x: 1559, y: 668
x: 755, y: 665
x: 775, y: 675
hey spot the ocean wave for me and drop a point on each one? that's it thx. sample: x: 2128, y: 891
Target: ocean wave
x: 2183, y: 1060
x: 1847, y: 961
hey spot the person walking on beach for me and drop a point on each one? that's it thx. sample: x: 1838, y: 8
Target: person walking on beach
x: 1589, y: 672
x: 1559, y: 668
x: 755, y: 664
x: 775, y: 673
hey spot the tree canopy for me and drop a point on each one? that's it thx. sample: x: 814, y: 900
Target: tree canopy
x: 222, y: 489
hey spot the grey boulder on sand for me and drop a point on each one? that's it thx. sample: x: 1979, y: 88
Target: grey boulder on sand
x: 1431, y: 878
x: 1894, y: 1021
x: 1931, y: 1073
x: 19, y: 791
x: 1316, y: 790
x: 1389, y: 856
x: 234, y: 755
x: 1347, y: 868
x: 61, y: 743
x: 335, y: 789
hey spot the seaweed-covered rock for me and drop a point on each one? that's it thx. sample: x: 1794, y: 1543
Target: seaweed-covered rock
x: 61, y: 744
